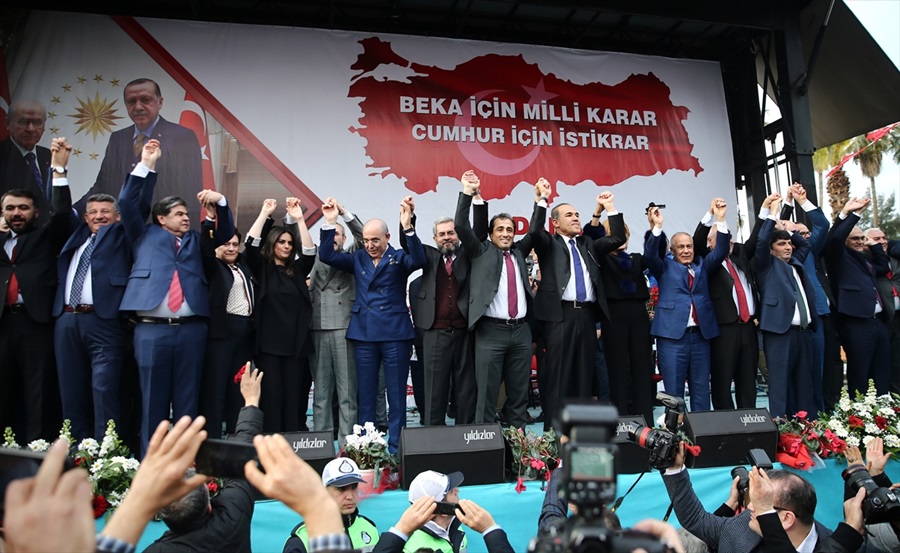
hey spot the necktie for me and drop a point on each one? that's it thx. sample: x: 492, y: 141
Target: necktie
x: 139, y: 144
x: 35, y: 171
x: 801, y: 303
x: 512, y: 293
x: 176, y: 296
x: 12, y: 290
x: 580, y: 290
x: 81, y: 271
x: 871, y: 269
x: 691, y: 286
x: 448, y: 264
x: 743, y: 308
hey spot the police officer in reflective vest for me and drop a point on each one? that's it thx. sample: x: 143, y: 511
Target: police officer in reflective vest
x: 341, y: 478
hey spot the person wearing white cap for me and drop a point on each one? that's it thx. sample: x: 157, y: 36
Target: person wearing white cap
x: 421, y: 529
x: 341, y: 478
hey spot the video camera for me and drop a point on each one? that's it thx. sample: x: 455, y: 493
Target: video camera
x: 589, y: 482
x: 651, y: 205
x: 662, y: 444
x: 881, y: 504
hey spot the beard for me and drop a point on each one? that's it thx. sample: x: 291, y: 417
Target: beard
x: 448, y: 249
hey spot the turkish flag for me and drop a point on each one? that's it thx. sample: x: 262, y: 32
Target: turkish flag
x: 194, y: 118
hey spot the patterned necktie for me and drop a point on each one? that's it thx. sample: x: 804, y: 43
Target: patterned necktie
x: 12, y: 289
x: 512, y: 293
x: 176, y: 296
x: 448, y: 264
x: 580, y: 290
x: 743, y: 308
x: 139, y: 144
x: 81, y: 271
x: 35, y: 171
x: 238, y: 297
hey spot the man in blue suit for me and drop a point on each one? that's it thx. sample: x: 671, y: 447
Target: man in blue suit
x: 853, y: 265
x: 380, y: 325
x: 90, y: 334
x: 824, y: 338
x: 167, y: 293
x: 685, y: 320
x: 787, y: 316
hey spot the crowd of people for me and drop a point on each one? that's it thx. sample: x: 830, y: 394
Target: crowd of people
x: 109, y: 312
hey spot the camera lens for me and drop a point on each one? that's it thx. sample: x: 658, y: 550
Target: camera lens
x: 856, y: 477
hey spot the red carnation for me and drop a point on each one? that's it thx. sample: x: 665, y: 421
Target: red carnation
x: 520, y: 485
x: 801, y: 414
x: 881, y: 422
x: 212, y: 487
x: 100, y: 505
x: 855, y: 422
x: 240, y: 374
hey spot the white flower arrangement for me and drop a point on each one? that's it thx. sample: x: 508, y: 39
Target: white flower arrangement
x: 865, y: 417
x: 368, y: 448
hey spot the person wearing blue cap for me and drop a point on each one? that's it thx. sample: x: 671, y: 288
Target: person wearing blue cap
x: 341, y: 478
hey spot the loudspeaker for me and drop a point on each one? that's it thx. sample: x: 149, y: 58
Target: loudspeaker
x: 476, y: 450
x: 631, y: 458
x: 316, y: 448
x: 726, y: 436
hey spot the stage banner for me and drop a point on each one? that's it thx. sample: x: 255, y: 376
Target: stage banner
x: 369, y: 119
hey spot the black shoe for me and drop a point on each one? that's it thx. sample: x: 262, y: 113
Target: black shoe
x: 383, y: 429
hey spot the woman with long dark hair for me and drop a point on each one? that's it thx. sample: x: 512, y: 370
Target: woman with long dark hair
x: 283, y: 314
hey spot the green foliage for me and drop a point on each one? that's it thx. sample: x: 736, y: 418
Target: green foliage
x: 888, y: 218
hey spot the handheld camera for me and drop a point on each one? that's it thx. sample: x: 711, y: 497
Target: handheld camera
x: 662, y: 443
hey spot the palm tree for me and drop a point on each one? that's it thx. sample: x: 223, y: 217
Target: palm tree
x: 869, y: 161
x: 838, y: 192
x: 826, y: 158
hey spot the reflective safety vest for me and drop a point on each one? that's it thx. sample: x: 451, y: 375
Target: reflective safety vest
x: 363, y: 534
x: 423, y: 539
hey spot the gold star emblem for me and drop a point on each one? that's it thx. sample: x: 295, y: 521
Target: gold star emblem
x: 114, y: 82
x: 98, y: 78
x: 51, y: 115
x: 95, y: 116
x: 56, y: 100
x: 81, y: 80
x: 94, y: 156
x: 67, y: 88
x: 54, y: 130
x: 76, y: 151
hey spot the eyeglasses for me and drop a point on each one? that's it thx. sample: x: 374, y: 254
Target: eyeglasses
x: 856, y: 238
x: 805, y: 233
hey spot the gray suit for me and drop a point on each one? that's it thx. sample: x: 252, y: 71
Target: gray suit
x: 502, y: 348
x: 333, y: 293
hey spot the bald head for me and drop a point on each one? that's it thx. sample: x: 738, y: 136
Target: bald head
x: 376, y: 237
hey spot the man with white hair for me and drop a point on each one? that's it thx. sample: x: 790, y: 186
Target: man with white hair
x: 341, y: 478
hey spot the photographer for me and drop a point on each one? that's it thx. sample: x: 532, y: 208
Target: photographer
x: 198, y: 523
x: 885, y: 535
x: 796, y: 501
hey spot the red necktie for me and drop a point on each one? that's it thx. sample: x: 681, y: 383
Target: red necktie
x: 691, y: 286
x: 512, y: 293
x: 743, y: 308
x: 176, y: 296
x: 12, y: 290
x: 448, y: 264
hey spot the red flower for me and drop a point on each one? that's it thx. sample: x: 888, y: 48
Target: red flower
x: 881, y: 422
x: 240, y: 374
x: 855, y: 422
x: 801, y: 414
x: 537, y: 464
x: 548, y: 475
x: 812, y: 435
x: 212, y: 487
x: 520, y: 485
x: 692, y: 449
x: 789, y: 443
x: 79, y: 461
x: 100, y: 505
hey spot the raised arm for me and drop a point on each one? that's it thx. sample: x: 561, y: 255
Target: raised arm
x: 133, y: 204
x: 616, y: 237
x: 471, y: 245
x: 655, y: 243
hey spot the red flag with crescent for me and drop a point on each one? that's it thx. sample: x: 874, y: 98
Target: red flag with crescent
x: 194, y: 118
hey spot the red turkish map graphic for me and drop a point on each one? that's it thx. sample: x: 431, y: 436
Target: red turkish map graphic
x: 510, y: 122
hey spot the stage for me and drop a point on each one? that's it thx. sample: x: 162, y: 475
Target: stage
x: 518, y: 513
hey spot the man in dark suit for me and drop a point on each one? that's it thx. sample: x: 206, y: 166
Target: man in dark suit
x: 570, y: 299
x: 30, y: 395
x: 853, y: 266
x: 333, y: 293
x: 179, y: 171
x: 734, y: 352
x: 787, y: 317
x: 685, y: 320
x: 440, y: 308
x: 230, y: 330
x: 24, y: 164
x: 889, y: 288
x: 167, y: 293
x: 380, y: 326
x: 90, y: 334
x: 500, y: 306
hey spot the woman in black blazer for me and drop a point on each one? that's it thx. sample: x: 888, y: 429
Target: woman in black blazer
x: 283, y: 314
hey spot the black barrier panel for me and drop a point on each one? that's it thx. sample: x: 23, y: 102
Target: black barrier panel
x: 726, y: 436
x: 630, y: 458
x: 316, y: 448
x: 476, y: 450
